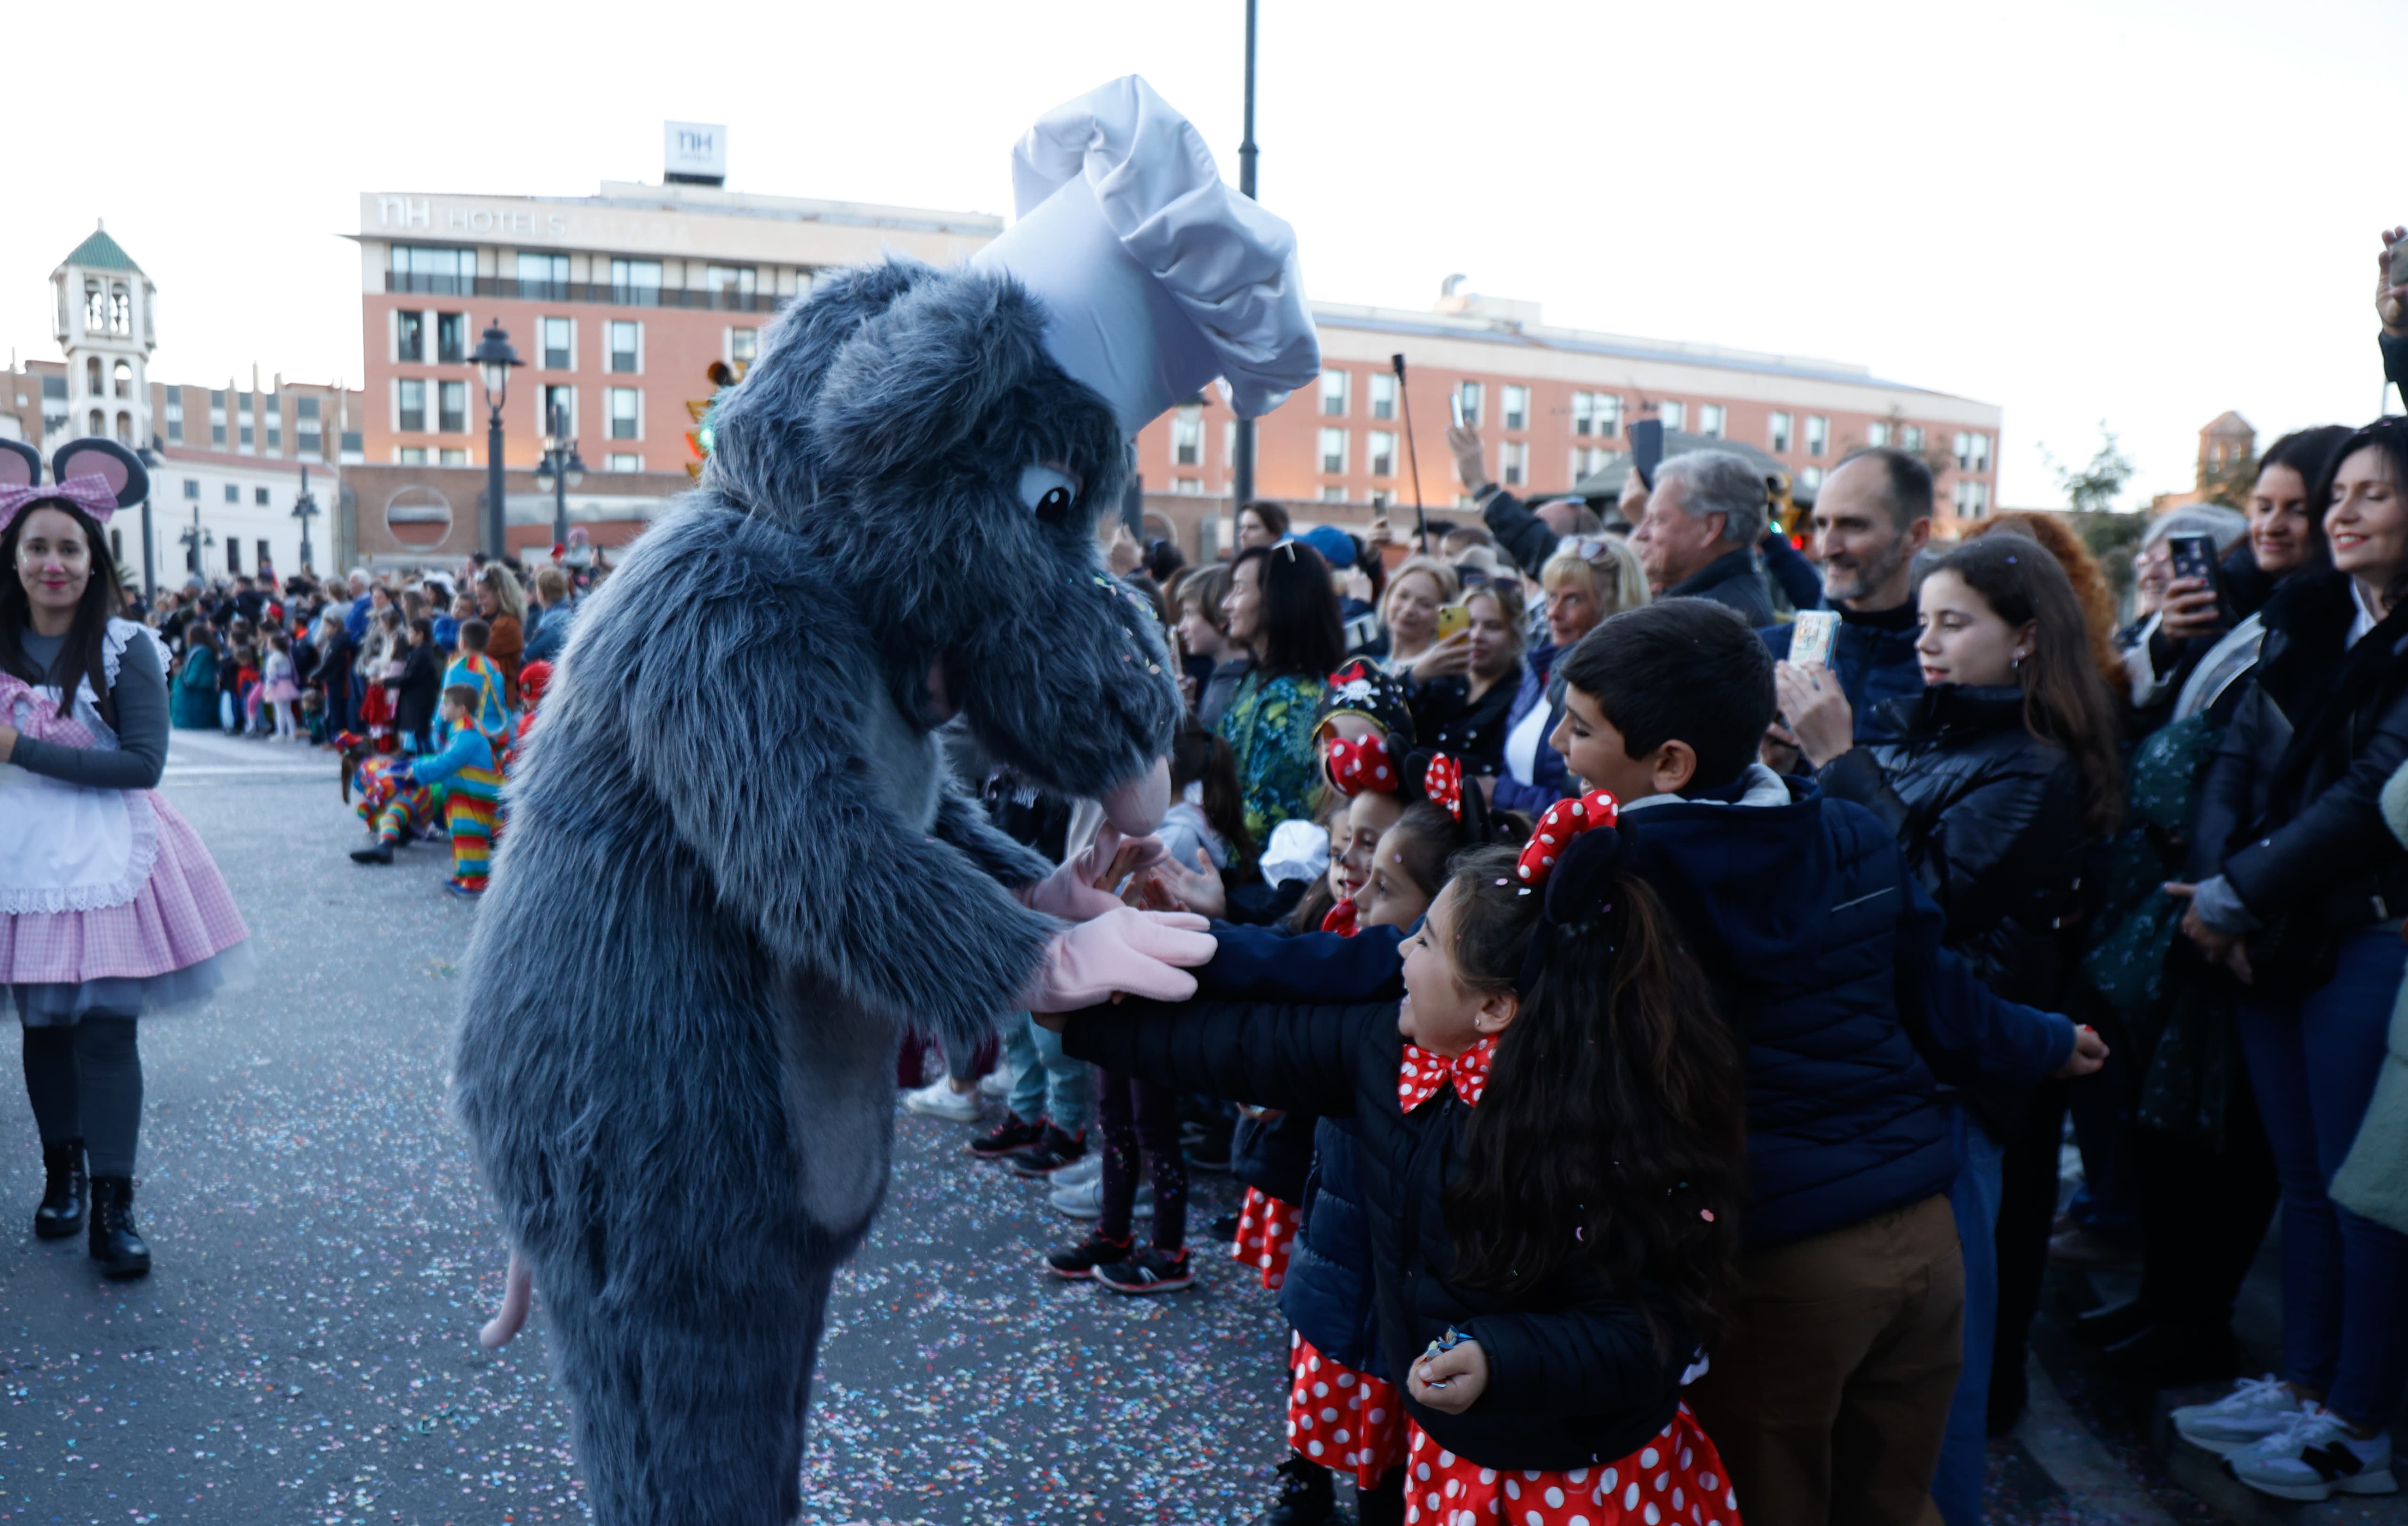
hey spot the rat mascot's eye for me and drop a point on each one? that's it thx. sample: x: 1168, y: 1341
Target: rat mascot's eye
x: 1048, y: 491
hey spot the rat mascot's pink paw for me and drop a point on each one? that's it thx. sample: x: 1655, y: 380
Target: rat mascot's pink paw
x: 1126, y: 951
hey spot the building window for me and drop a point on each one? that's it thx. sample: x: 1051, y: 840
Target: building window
x: 625, y: 463
x: 455, y: 457
x: 1819, y: 434
x: 1588, y: 460
x: 1972, y: 500
x: 409, y: 336
x: 192, y: 489
x: 1973, y: 452
x: 175, y: 415
x: 261, y: 558
x: 436, y: 272
x: 1596, y: 413
x: 544, y: 276
x: 1777, y: 434
x: 730, y: 285
x: 217, y: 417
x: 635, y: 283
x: 1383, y: 499
x: 626, y: 347
x: 1675, y: 416
x: 1333, y: 450
x: 1811, y: 479
x: 559, y: 410
x: 1513, y: 461
x: 1383, y: 395
x: 1333, y: 394
x: 626, y: 413
x: 557, y: 340
x: 271, y: 414
x: 259, y: 497
x: 1468, y: 395
x: 1710, y: 420
x: 411, y: 455
x: 1909, y: 439
x: 250, y: 422
x: 121, y: 380
x: 96, y: 307
x: 233, y: 493
x: 409, y: 405
x: 353, y: 445
x: 234, y: 554
x: 1187, y: 487
x: 1382, y: 459
x: 1877, y: 434
x: 307, y: 437
x: 1515, y: 405
x: 98, y: 424
x: 743, y: 347
x: 1187, y: 438
x: 1332, y: 493
x: 451, y: 339
x: 451, y: 402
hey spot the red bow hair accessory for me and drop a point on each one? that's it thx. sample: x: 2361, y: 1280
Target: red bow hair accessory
x: 1564, y: 821
x: 1442, y: 782
x: 1357, y: 765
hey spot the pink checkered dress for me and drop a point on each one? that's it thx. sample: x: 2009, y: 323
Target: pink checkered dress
x: 179, y: 916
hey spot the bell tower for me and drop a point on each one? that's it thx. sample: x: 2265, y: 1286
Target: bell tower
x: 103, y: 322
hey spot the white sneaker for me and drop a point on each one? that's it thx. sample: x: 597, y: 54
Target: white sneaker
x: 2315, y: 1458
x: 1085, y: 1171
x: 1085, y: 1199
x: 995, y: 1084
x: 938, y: 1099
x: 2257, y: 1408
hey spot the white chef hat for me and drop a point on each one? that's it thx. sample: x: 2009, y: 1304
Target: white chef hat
x: 1156, y: 276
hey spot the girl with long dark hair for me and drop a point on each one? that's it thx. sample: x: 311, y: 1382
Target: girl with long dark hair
x: 2001, y: 779
x: 1552, y: 1171
x: 110, y: 907
x: 1283, y: 610
x: 2296, y: 888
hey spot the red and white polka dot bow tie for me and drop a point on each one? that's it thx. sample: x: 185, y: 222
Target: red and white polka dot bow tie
x: 1422, y: 1073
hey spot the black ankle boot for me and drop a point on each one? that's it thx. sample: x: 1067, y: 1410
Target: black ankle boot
x: 63, y: 1189
x: 119, y: 1250
x: 1306, y: 1497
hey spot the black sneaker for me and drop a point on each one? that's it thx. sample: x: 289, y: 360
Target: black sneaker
x: 1306, y: 1497
x: 1050, y: 1153
x: 375, y: 852
x: 1148, y: 1271
x: 1083, y: 1258
x: 1010, y: 1137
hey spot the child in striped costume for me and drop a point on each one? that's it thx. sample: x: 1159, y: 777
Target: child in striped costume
x: 472, y: 789
x: 395, y: 808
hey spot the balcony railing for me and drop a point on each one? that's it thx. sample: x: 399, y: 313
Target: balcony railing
x: 600, y: 293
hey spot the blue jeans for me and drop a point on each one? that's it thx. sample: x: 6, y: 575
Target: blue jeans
x: 2313, y: 1061
x: 1045, y: 1082
x: 1965, y: 1450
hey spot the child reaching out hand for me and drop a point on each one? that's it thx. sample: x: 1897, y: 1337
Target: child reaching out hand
x: 1551, y: 1162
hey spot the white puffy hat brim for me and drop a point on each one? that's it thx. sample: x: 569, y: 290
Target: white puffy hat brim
x: 1157, y: 277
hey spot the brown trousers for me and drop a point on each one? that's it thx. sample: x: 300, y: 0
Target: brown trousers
x: 1828, y: 1392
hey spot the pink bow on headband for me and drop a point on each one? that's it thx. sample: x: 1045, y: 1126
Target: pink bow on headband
x: 91, y: 493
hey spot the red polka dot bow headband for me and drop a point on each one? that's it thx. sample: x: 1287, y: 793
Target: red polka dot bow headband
x: 1442, y: 784
x: 1565, y: 821
x: 1363, y: 764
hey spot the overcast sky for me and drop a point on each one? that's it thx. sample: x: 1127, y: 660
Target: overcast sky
x: 2145, y: 213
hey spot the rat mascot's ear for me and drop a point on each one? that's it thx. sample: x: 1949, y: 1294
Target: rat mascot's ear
x: 760, y: 432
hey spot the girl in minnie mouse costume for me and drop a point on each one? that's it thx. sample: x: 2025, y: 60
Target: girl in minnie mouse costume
x: 1550, y: 1157
x: 111, y: 909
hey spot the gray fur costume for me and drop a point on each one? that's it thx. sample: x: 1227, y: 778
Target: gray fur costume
x: 735, y: 866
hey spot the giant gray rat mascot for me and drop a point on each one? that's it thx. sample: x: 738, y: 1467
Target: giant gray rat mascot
x: 735, y: 866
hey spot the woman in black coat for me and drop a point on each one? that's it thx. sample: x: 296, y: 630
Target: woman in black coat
x: 2299, y: 889
x: 418, y: 688
x: 2001, y: 781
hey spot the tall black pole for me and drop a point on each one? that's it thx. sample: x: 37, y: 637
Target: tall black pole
x: 494, y: 520
x: 559, y: 478
x: 149, y: 573
x: 1241, y: 465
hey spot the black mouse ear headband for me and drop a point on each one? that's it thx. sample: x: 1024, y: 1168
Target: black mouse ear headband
x: 1570, y: 861
x: 1439, y: 779
x: 97, y: 476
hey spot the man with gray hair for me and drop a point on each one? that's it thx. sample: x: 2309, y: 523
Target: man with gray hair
x: 1698, y: 537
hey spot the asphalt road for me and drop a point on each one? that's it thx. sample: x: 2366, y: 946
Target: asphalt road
x: 305, y: 1349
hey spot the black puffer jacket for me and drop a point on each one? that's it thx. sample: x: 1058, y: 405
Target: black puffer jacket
x: 2290, y: 814
x: 1989, y: 816
x: 1576, y: 1379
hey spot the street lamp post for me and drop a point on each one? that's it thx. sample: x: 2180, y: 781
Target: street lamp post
x: 305, y: 509
x: 150, y: 570
x: 493, y: 359
x: 560, y: 469
x: 1241, y: 464
x: 196, y: 541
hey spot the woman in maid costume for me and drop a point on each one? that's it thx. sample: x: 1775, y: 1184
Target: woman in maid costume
x: 110, y: 910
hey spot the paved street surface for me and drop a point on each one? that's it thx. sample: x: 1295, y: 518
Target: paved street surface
x: 306, y: 1350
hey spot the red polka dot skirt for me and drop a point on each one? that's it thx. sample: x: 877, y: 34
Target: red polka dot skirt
x: 1265, y: 1233
x: 1342, y: 1418
x: 1676, y: 1479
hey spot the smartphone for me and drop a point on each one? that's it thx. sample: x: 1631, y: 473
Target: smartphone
x: 1455, y: 407
x: 1811, y: 636
x: 2194, y: 557
x: 2400, y: 263
x: 1452, y: 618
x: 1646, y: 449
